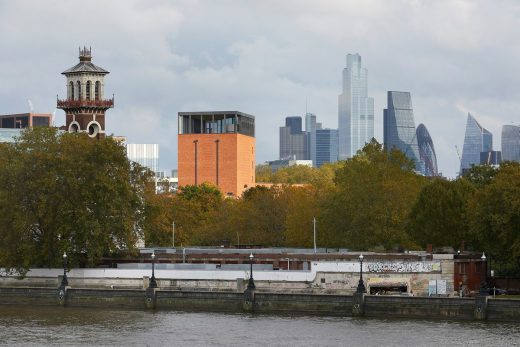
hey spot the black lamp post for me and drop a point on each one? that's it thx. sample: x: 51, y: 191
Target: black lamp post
x: 483, y: 285
x: 251, y: 283
x: 153, y: 282
x: 64, y: 280
x: 361, y: 286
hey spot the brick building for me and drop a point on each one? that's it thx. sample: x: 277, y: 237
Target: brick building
x: 218, y: 148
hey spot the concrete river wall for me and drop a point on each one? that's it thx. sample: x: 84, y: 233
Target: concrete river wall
x: 480, y: 308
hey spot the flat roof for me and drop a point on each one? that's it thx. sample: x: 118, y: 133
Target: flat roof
x: 209, y: 113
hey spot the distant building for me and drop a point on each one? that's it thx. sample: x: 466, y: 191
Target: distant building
x: 85, y: 106
x: 493, y: 158
x: 25, y: 120
x: 399, y: 126
x: 310, y: 127
x: 145, y: 154
x: 326, y: 146
x: 9, y: 135
x: 426, y: 152
x: 276, y: 165
x: 355, y: 109
x: 476, y: 140
x: 293, y: 141
x: 511, y: 143
x: 217, y: 147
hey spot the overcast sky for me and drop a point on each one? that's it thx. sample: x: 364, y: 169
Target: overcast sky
x: 266, y: 58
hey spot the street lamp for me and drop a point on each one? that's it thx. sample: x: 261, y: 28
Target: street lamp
x: 361, y: 286
x: 64, y: 280
x: 483, y: 285
x: 153, y: 282
x: 251, y: 283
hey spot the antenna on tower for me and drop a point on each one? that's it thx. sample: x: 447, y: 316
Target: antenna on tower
x: 53, y: 116
x: 31, y: 108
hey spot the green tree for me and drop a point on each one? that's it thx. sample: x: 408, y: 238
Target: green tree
x: 67, y: 193
x: 480, y: 175
x: 372, y: 198
x: 439, y: 215
x: 494, y: 219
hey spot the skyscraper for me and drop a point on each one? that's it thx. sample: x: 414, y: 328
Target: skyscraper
x: 511, y: 143
x: 476, y: 140
x: 326, y: 146
x: 426, y: 152
x: 355, y: 109
x: 310, y: 127
x: 294, y: 143
x: 399, y: 126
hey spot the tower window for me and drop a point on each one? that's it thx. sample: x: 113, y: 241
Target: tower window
x: 96, y: 90
x: 88, y: 90
x: 71, y: 95
x: 79, y: 90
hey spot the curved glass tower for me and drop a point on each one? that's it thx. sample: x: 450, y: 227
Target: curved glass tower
x: 511, y: 143
x: 426, y: 151
x: 476, y: 140
x: 399, y: 126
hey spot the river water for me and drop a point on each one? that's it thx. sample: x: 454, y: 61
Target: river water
x: 84, y: 327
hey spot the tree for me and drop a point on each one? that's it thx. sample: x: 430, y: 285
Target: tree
x: 67, y: 193
x: 373, y: 195
x: 494, y: 218
x: 439, y: 214
x: 480, y: 175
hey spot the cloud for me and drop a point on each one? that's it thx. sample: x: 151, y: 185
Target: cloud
x: 268, y: 58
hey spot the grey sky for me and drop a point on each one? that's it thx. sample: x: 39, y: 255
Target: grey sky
x: 267, y: 58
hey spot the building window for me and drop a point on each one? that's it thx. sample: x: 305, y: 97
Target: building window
x: 79, y: 90
x: 97, y: 89
x: 88, y: 90
x: 71, y: 95
x: 462, y: 268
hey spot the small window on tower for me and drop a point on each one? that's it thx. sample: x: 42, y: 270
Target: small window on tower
x: 88, y: 90
x: 96, y: 90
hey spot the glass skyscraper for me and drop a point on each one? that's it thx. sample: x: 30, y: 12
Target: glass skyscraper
x: 326, y: 146
x: 399, y: 126
x: 426, y: 152
x: 355, y: 109
x: 476, y: 140
x: 511, y: 143
x: 310, y: 128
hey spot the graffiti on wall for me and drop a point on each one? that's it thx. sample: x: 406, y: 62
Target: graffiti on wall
x: 407, y: 267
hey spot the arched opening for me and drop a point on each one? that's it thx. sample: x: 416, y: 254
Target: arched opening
x: 88, y: 90
x: 79, y: 90
x: 71, y: 91
x: 74, y: 127
x: 93, y: 129
x: 97, y: 89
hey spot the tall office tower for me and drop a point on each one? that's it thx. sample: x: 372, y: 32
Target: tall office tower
x: 294, y: 143
x: 310, y: 128
x: 399, y: 126
x: 476, y: 140
x: 355, y: 109
x: 511, y: 143
x: 326, y: 146
x: 145, y: 154
x: 219, y: 148
x: 426, y: 152
x: 85, y: 106
x: 493, y: 158
x: 295, y: 124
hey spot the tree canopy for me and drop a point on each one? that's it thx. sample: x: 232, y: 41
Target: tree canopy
x: 67, y: 193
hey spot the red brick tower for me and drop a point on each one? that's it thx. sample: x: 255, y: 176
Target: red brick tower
x: 85, y: 105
